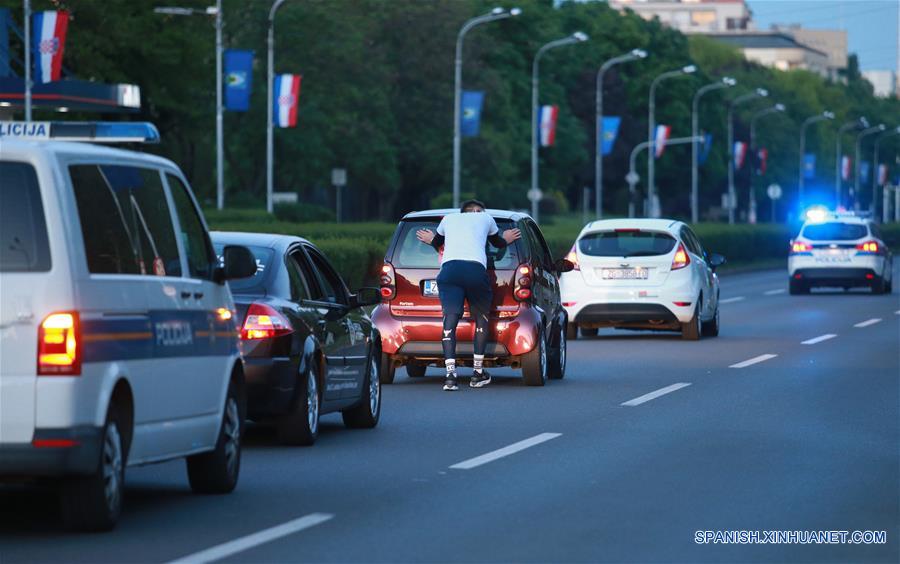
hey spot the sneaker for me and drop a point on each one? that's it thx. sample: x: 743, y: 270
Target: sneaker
x: 450, y: 384
x: 480, y: 380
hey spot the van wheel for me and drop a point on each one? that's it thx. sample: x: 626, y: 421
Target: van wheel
x: 796, y: 287
x: 889, y: 286
x: 557, y: 368
x: 691, y: 330
x: 94, y: 503
x: 534, y: 363
x: 216, y: 472
x: 589, y: 331
x: 416, y: 370
x: 711, y: 327
x: 366, y: 414
x: 300, y: 427
x: 386, y: 374
x: 571, y: 331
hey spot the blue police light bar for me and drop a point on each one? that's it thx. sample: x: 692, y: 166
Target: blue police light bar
x: 91, y: 131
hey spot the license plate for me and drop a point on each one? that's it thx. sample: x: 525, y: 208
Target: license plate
x: 623, y: 273
x: 430, y: 288
x: 832, y: 256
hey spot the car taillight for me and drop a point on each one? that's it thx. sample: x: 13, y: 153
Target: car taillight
x: 681, y: 259
x: 573, y: 258
x: 264, y: 322
x: 868, y: 247
x: 523, y: 283
x: 59, y: 345
x: 800, y: 247
x: 388, y: 282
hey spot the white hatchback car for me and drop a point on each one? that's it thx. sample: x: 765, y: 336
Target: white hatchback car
x: 117, y: 343
x: 641, y: 274
x: 839, y: 250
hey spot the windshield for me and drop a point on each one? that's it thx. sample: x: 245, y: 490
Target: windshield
x: 412, y: 253
x: 835, y: 231
x: 254, y: 284
x: 626, y: 243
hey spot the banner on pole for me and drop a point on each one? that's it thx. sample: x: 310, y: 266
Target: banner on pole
x: 661, y: 136
x: 864, y: 172
x: 470, y: 119
x: 740, y: 153
x: 705, y: 149
x: 846, y: 164
x: 762, y: 155
x: 610, y: 130
x: 882, y: 174
x: 547, y: 124
x: 4, y: 42
x: 238, y: 79
x: 809, y: 166
x: 287, y: 97
x: 47, y: 44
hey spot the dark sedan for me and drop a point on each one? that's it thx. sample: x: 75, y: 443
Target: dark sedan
x: 308, y: 347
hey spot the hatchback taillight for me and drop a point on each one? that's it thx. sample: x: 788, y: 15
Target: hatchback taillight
x: 573, y: 258
x: 522, y: 289
x: 868, y: 247
x: 388, y: 282
x: 681, y: 259
x: 264, y: 322
x: 800, y: 247
x: 59, y: 345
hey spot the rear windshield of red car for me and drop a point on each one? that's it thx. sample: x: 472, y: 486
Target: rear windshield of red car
x: 835, y: 231
x: 626, y: 243
x: 412, y: 253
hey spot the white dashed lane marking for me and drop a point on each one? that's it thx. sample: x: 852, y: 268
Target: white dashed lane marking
x: 732, y: 300
x: 773, y: 292
x: 819, y: 339
x: 868, y: 322
x: 653, y: 395
x: 505, y: 451
x: 754, y: 360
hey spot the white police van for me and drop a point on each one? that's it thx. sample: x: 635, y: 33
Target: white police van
x: 117, y: 343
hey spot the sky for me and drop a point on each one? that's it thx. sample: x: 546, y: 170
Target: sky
x: 872, y: 25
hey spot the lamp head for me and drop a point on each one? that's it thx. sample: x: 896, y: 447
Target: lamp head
x: 515, y: 12
x: 689, y: 69
x: 863, y: 121
x: 762, y: 92
x: 497, y: 11
x: 728, y: 81
x: 828, y: 115
x: 638, y: 53
x: 779, y: 107
x: 580, y: 36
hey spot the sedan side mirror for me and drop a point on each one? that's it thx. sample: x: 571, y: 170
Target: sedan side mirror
x: 366, y: 297
x: 238, y: 262
x: 716, y: 260
x: 563, y: 265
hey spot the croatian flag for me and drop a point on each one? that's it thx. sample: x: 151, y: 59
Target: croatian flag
x: 547, y: 122
x: 740, y: 153
x: 287, y: 98
x: 662, y: 135
x: 47, y: 44
x: 761, y: 157
x: 882, y: 174
x: 846, y: 163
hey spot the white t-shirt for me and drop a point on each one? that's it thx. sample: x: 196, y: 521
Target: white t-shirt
x: 465, y: 235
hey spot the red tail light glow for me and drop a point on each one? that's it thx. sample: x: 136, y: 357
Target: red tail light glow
x: 868, y: 247
x: 681, y: 259
x: 388, y: 282
x: 522, y: 290
x: 801, y: 247
x: 573, y: 258
x: 264, y: 322
x: 59, y: 345
x: 54, y: 443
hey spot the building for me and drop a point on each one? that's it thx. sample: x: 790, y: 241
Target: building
x: 883, y: 81
x: 693, y: 16
x: 832, y: 42
x: 777, y: 50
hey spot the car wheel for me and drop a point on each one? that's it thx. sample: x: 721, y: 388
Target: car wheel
x: 534, y: 362
x: 416, y: 370
x: 571, y: 331
x: 300, y: 427
x: 796, y: 287
x: 879, y: 286
x: 691, y: 330
x: 387, y: 371
x: 557, y: 368
x: 711, y: 327
x: 589, y: 332
x: 94, y: 503
x: 889, y: 286
x: 366, y: 414
x: 216, y: 472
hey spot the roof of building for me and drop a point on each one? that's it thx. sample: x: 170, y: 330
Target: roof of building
x: 763, y: 40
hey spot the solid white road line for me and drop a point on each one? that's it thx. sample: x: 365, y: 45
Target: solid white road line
x: 819, y: 339
x: 505, y: 451
x: 245, y: 543
x: 754, y: 360
x: 773, y: 292
x: 732, y: 300
x: 868, y: 322
x: 653, y: 395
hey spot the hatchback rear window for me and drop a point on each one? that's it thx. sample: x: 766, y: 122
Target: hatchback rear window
x: 835, y: 231
x: 254, y: 285
x: 626, y: 244
x: 23, y: 230
x: 412, y: 253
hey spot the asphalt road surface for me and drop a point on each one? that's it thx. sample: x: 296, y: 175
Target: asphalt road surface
x: 648, y: 440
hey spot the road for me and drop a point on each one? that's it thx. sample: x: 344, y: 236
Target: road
x: 804, y: 439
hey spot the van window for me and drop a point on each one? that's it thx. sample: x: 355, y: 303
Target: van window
x: 412, y: 253
x: 23, y: 230
x: 194, y: 239
x: 125, y: 220
x: 626, y: 243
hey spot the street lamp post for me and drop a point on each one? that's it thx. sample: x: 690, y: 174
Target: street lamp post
x: 26, y: 5
x: 220, y: 134
x: 493, y: 15
x: 726, y: 82
x: 872, y: 204
x: 651, y: 127
x: 270, y: 79
x: 837, y: 156
x: 751, y: 214
x: 864, y: 133
x: 632, y: 176
x: 633, y: 55
x: 576, y: 37
x: 801, y: 172
x: 732, y: 199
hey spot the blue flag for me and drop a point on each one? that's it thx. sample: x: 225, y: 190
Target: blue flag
x: 864, y: 172
x: 609, y: 132
x: 238, y: 79
x: 809, y: 166
x: 705, y: 148
x: 470, y: 120
x: 4, y: 42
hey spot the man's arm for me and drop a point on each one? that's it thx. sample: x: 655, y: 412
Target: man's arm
x: 429, y: 237
x: 505, y: 238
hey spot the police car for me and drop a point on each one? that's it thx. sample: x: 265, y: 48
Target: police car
x: 839, y: 249
x: 117, y: 339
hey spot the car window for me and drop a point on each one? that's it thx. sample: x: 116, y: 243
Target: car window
x: 194, y: 238
x: 412, y: 253
x: 24, y: 246
x: 691, y: 241
x: 331, y: 287
x: 835, y: 231
x: 252, y: 285
x: 626, y: 243
x: 300, y: 276
x: 540, y: 246
x: 125, y: 220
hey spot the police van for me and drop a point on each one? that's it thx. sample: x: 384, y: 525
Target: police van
x: 117, y: 340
